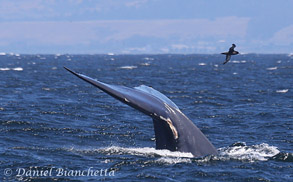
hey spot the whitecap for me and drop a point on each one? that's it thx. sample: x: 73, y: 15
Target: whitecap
x: 235, y: 61
x: 47, y: 89
x: 242, y: 152
x: 169, y: 160
x: 202, y: 64
x: 145, y: 151
x: 259, y: 152
x: 4, y: 69
x: 2, y: 54
x: 282, y: 91
x: 145, y: 64
x: 148, y: 59
x: 128, y: 67
x: 272, y: 68
x: 17, y: 69
x: 163, y: 156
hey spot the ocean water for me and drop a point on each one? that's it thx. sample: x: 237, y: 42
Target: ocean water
x: 55, y: 127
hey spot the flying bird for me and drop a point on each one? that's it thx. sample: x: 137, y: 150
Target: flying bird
x: 230, y: 53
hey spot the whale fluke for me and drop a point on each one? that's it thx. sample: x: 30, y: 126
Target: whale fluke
x: 173, y: 130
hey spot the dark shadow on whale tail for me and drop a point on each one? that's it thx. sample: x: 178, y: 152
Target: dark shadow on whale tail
x: 173, y: 130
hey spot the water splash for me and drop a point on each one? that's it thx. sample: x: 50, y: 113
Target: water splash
x: 14, y: 69
x: 128, y: 67
x: 282, y: 91
x: 240, y: 151
x: 145, y: 151
x: 165, y: 156
x: 272, y: 68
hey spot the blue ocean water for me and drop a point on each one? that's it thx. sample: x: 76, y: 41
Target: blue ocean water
x: 55, y: 127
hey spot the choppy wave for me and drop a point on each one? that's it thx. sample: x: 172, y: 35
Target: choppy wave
x: 164, y: 156
x: 17, y: 69
x: 202, y: 64
x: 145, y: 151
x: 14, y: 69
x: 240, y: 151
x: 282, y: 91
x: 128, y: 67
x: 145, y: 64
x: 239, y: 61
x: 4, y: 69
x: 272, y: 68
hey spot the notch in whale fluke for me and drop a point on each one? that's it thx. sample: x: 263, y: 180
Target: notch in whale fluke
x: 173, y: 130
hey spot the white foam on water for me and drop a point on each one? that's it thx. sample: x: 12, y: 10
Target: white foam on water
x: 2, y: 54
x: 282, y: 91
x: 272, y: 68
x: 202, y: 64
x: 148, y: 59
x: 17, y: 69
x: 169, y: 160
x: 145, y: 64
x: 259, y: 152
x: 235, y: 61
x: 14, y: 69
x: 128, y: 67
x: 165, y: 156
x: 145, y: 151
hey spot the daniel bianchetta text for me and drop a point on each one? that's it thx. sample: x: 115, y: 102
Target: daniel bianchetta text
x: 56, y: 172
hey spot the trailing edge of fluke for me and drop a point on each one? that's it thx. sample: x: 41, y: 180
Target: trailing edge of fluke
x: 173, y: 130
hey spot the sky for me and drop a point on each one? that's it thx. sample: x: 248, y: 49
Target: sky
x: 145, y: 26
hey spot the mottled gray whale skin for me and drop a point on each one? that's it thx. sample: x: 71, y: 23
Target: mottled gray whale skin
x: 173, y: 130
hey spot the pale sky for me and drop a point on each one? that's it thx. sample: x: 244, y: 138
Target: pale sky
x: 145, y: 26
